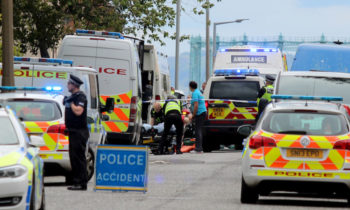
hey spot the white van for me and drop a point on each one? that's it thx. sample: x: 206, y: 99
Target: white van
x: 265, y: 60
x: 155, y: 75
x: 41, y: 85
x: 117, y: 61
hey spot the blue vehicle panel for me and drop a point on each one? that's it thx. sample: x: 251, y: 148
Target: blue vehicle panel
x: 322, y: 57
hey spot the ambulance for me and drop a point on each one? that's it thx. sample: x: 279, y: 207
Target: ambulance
x: 117, y: 61
x: 155, y: 78
x: 266, y: 60
x: 37, y: 100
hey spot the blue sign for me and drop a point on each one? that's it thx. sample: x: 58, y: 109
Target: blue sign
x: 121, y: 168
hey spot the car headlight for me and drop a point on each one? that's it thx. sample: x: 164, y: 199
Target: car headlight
x: 12, y: 171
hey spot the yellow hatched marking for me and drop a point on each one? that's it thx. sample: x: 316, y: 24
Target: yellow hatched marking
x: 267, y: 134
x: 336, y: 158
x: 287, y: 140
x: 322, y: 142
x: 314, y: 165
x: 293, y: 164
x: 272, y: 156
x: 49, y: 142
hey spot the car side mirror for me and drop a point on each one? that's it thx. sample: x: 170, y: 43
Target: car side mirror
x: 244, y: 130
x: 37, y: 141
x: 109, y: 107
x: 105, y: 117
x: 90, y: 120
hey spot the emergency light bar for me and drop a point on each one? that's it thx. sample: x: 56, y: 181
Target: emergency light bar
x: 47, y: 88
x: 236, y: 72
x: 309, y: 98
x: 99, y: 33
x: 42, y: 60
x: 250, y: 50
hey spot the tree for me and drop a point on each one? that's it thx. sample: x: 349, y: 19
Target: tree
x: 41, y: 24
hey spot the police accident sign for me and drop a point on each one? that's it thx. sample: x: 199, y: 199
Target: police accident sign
x: 121, y: 168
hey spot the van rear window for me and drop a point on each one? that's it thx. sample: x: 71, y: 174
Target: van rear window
x: 237, y: 90
x: 35, y: 110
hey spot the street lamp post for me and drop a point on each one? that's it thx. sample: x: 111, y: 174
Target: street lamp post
x: 214, y: 33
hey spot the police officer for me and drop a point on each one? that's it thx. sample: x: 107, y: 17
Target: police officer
x: 265, y: 93
x: 172, y: 111
x: 76, y: 124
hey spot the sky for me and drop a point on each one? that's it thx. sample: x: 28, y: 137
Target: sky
x: 292, y: 18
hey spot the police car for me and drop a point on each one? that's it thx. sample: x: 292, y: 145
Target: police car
x: 232, y: 95
x: 21, y: 168
x: 301, y: 145
x: 38, y: 103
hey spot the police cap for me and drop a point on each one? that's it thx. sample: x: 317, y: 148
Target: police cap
x: 270, y: 78
x: 75, y: 80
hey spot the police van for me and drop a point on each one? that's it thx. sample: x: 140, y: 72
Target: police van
x: 155, y: 78
x: 231, y: 96
x: 117, y: 61
x: 37, y: 100
x: 266, y: 60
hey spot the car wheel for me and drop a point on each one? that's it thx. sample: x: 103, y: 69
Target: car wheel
x: 248, y: 194
x: 207, y: 146
x: 90, y: 164
x: 42, y: 205
x: 239, y: 146
x: 32, y: 196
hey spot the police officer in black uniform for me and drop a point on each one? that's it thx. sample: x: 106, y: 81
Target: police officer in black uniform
x: 76, y: 124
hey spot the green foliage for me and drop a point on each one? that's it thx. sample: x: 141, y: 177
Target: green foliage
x: 16, y: 51
x: 41, y: 24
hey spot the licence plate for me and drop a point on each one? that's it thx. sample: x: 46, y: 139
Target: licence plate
x: 218, y: 112
x: 305, y: 153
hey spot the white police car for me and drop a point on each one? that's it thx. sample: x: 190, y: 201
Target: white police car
x: 21, y: 168
x: 300, y: 146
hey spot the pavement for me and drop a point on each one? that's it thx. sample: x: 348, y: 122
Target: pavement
x: 188, y: 181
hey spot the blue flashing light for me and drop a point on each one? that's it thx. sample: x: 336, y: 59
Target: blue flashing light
x: 67, y: 62
x: 47, y: 88
x: 53, y: 88
x: 21, y: 59
x: 307, y: 98
x: 236, y: 72
x: 253, y: 50
x: 42, y: 60
x: 50, y: 60
x: 99, y: 33
x: 222, y: 50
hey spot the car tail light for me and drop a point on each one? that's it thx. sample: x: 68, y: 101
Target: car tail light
x: 206, y: 104
x: 347, y: 108
x: 133, y: 109
x: 60, y: 128
x: 343, y: 144
x: 157, y: 97
x: 256, y: 142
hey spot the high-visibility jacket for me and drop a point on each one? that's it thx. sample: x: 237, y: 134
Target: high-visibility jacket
x: 267, y: 95
x: 172, y: 105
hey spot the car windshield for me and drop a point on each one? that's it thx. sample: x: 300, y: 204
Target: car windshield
x: 35, y: 110
x: 8, y: 134
x: 305, y: 123
x: 314, y: 86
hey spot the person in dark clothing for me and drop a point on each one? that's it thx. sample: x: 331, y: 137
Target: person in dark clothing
x: 157, y: 114
x: 172, y: 111
x: 78, y: 133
